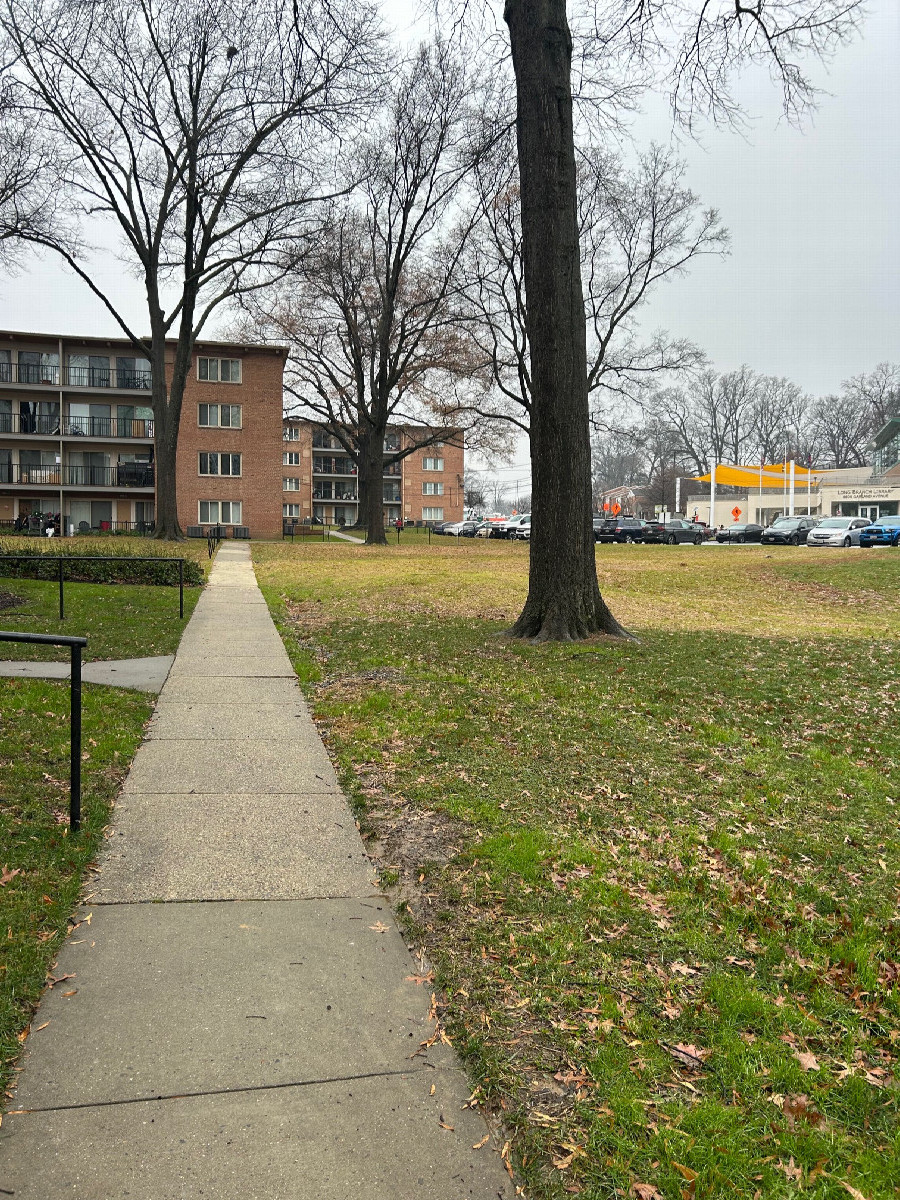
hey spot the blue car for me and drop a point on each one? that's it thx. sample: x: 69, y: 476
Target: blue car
x: 883, y: 532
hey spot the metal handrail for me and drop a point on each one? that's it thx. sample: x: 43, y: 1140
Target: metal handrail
x: 64, y: 558
x: 76, y: 645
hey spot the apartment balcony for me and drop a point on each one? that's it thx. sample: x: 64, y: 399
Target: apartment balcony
x: 338, y: 497
x: 32, y: 375
x: 122, y: 475
x: 37, y: 425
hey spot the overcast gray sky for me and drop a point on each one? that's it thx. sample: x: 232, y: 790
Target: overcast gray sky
x: 812, y: 287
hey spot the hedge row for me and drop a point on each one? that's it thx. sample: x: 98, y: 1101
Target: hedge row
x: 126, y: 568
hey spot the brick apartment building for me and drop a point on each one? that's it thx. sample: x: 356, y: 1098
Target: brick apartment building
x: 319, y: 478
x: 76, y: 435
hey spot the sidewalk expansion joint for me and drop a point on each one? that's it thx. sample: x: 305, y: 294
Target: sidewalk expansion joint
x: 232, y: 1091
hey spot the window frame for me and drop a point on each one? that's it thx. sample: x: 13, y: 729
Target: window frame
x: 219, y: 455
x: 201, y: 424
x: 427, y: 464
x: 204, y: 358
x: 220, y: 519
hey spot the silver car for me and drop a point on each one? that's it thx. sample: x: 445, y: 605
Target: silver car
x: 837, y: 531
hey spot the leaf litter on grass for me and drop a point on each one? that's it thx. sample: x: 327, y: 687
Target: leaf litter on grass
x: 664, y: 915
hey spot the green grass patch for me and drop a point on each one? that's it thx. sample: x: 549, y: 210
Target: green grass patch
x: 658, y: 882
x: 41, y: 864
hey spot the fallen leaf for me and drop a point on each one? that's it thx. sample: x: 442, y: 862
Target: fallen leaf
x: 796, y: 1108
x: 6, y: 875
x: 443, y: 1124
x: 791, y: 1170
x: 74, y: 992
x: 429, y: 978
x: 854, y: 1192
x: 807, y: 1061
x: 687, y: 1055
x: 645, y: 1191
x: 379, y: 927
x: 40, y: 1027
x: 484, y: 1141
x: 686, y: 1172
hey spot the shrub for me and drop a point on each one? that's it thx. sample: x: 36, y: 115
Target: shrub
x: 125, y: 567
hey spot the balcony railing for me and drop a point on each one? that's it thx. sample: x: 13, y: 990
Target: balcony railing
x: 323, y: 494
x: 86, y: 377
x: 55, y: 426
x: 333, y: 465
x: 122, y: 475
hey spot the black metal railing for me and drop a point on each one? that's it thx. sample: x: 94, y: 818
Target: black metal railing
x: 293, y: 527
x: 52, y: 425
x: 50, y: 375
x: 320, y: 493
x: 122, y: 475
x: 75, y: 645
x: 62, y: 559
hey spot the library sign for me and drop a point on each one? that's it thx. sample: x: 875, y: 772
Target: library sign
x: 871, y: 493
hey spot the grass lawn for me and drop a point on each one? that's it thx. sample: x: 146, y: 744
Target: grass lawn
x: 41, y: 865
x: 127, y: 621
x: 658, y: 883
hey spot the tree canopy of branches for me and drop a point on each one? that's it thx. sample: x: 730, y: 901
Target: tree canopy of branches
x: 636, y: 228
x: 29, y: 200
x: 200, y: 131
x: 370, y: 312
x: 703, y: 42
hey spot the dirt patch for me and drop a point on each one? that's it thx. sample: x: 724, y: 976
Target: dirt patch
x: 10, y: 600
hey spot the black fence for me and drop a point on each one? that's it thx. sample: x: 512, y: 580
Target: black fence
x: 51, y: 375
x: 75, y: 645
x: 52, y: 425
x: 122, y: 475
x: 61, y: 559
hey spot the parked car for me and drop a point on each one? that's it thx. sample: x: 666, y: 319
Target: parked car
x: 523, y: 532
x: 468, y: 529
x: 740, y: 533
x: 485, y: 529
x: 441, y: 526
x: 672, y: 532
x: 788, y: 531
x: 883, y: 532
x: 618, y: 529
x: 837, y: 531
x: 508, y: 528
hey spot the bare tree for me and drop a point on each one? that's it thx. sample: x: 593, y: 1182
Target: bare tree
x: 705, y: 43
x: 370, y: 313
x: 636, y: 228
x: 29, y: 198
x: 878, y: 391
x: 199, y: 131
x: 841, y: 427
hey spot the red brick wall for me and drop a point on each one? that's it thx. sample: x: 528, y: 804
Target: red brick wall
x: 258, y: 441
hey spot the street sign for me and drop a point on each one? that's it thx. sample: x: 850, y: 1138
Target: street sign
x: 617, y: 508
x: 736, y: 512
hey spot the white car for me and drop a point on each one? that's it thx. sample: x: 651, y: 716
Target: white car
x: 510, y: 528
x: 837, y: 531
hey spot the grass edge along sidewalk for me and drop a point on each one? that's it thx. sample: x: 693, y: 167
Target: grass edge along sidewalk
x: 658, y: 883
x: 42, y: 867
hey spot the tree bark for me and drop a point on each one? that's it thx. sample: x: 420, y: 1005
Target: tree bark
x: 166, y: 421
x: 371, y: 472
x: 564, y: 601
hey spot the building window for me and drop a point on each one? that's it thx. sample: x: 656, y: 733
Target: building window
x: 219, y: 416
x: 291, y: 433
x: 290, y: 458
x: 219, y: 370
x: 220, y: 512
x: 432, y: 514
x: 290, y: 483
x: 220, y: 464
x: 432, y: 464
x: 290, y: 510
x: 131, y: 373
x: 432, y: 489
x: 392, y: 441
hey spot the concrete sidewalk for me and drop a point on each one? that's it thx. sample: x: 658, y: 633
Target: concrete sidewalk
x: 254, y: 1033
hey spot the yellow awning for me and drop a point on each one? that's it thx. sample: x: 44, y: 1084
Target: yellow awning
x: 772, y: 476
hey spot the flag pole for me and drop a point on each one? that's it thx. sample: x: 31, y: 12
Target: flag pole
x: 793, y: 483
x: 712, y: 496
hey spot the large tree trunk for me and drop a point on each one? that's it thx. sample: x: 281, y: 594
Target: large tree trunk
x: 564, y: 600
x: 166, y: 419
x: 371, y: 472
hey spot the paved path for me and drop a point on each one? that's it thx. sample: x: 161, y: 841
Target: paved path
x: 143, y: 674
x: 253, y: 1034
